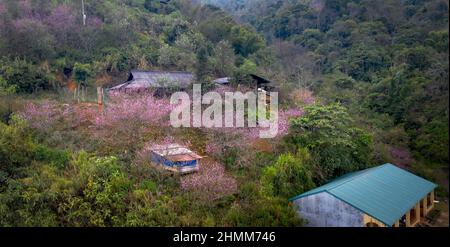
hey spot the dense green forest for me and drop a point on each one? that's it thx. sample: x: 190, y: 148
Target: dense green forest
x: 365, y: 82
x: 388, y: 59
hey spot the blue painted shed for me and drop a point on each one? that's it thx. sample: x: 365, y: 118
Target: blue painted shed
x: 380, y: 196
x: 176, y: 158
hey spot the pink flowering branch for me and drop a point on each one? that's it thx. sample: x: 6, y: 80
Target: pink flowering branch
x: 211, y: 182
x: 62, y: 19
x: 137, y: 107
x: 2, y: 7
x: 41, y: 116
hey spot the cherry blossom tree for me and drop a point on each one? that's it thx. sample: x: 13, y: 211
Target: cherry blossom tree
x: 25, y: 9
x: 61, y: 20
x: 2, y: 8
x: 210, y: 183
x: 42, y: 116
x: 137, y: 107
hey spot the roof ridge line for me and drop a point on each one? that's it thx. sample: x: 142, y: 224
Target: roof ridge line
x: 161, y: 71
x: 124, y: 84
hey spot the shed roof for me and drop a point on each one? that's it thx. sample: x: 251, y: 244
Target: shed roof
x: 384, y: 192
x: 183, y: 157
x: 259, y: 79
x: 175, y: 152
x: 156, y: 79
x: 222, y: 81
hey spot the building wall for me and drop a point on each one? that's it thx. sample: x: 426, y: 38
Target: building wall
x: 368, y: 219
x: 161, y: 160
x: 325, y: 210
x: 186, y: 163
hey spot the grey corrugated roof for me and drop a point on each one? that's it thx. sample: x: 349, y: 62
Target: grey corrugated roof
x: 173, y: 150
x: 224, y: 80
x: 385, y: 192
x: 156, y: 79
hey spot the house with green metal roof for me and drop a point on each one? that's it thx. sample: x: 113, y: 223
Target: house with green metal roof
x: 380, y: 196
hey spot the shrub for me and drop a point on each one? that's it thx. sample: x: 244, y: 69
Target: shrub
x: 288, y: 177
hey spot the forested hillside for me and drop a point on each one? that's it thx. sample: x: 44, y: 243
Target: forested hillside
x: 64, y: 163
x: 361, y: 83
x: 49, y: 38
x: 387, y: 60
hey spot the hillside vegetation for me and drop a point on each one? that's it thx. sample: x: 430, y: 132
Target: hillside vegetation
x: 385, y: 59
x: 361, y: 83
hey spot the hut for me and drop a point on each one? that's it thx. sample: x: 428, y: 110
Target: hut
x: 257, y: 82
x: 175, y: 158
x: 264, y: 86
x: 139, y: 81
x: 261, y: 83
x: 384, y: 196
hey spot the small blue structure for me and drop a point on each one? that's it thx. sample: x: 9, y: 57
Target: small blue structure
x: 176, y: 158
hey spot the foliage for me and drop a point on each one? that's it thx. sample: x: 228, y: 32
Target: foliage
x: 392, y: 55
x: 116, y: 38
x: 18, y: 149
x: 246, y: 42
x: 16, y: 146
x: 375, y: 72
x: 211, y: 183
x: 262, y: 211
x: 336, y: 146
x: 6, y: 89
x: 223, y: 61
x: 404, y: 97
x: 289, y: 176
x: 98, y: 191
x: 241, y: 75
x: 24, y: 76
x: 81, y: 73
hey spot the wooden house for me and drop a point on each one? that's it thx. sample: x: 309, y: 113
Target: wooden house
x: 258, y: 83
x: 262, y: 85
x: 175, y: 158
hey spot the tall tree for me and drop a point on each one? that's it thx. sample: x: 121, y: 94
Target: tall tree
x: 224, y: 59
x: 336, y: 145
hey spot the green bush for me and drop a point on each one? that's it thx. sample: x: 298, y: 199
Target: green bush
x: 23, y: 76
x: 56, y: 157
x: 288, y: 177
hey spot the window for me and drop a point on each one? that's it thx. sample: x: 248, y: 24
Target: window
x: 372, y: 224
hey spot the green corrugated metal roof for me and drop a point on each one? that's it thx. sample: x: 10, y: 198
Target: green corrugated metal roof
x: 384, y: 192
